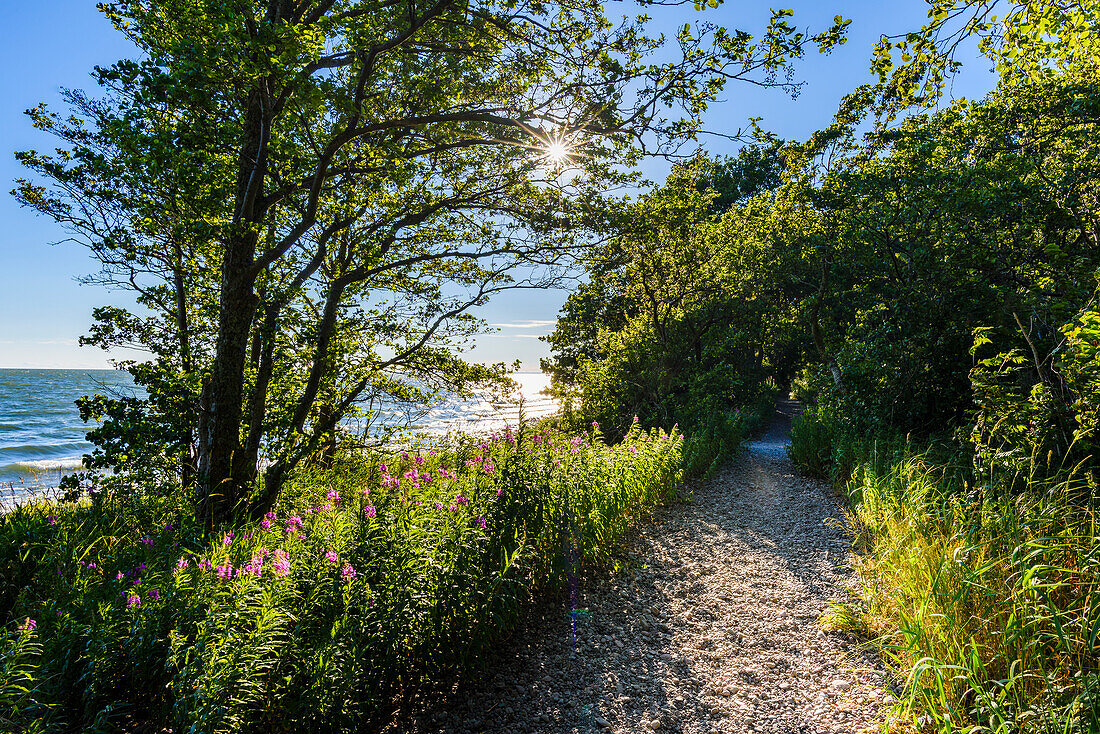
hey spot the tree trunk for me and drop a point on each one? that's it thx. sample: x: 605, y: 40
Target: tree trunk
x: 225, y: 472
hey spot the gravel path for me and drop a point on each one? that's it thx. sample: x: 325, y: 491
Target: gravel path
x: 709, y: 626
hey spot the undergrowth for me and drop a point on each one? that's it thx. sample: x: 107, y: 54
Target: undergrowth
x: 985, y: 601
x: 371, y: 578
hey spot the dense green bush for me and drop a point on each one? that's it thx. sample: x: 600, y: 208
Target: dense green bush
x: 369, y: 578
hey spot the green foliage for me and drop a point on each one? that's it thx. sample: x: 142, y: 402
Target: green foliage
x: 975, y: 218
x: 811, y: 447
x: 378, y: 574
x: 985, y: 601
x: 679, y: 323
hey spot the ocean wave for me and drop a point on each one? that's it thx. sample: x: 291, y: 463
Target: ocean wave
x: 45, y: 450
x: 25, y: 467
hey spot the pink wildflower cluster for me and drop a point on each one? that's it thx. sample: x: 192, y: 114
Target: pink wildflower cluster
x: 255, y: 565
x: 370, y: 511
x: 330, y: 556
x: 280, y: 562
x: 348, y: 572
x: 28, y: 625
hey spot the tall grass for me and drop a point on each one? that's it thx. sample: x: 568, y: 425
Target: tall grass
x: 372, y: 578
x: 986, y: 602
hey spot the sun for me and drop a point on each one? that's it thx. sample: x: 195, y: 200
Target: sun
x: 556, y: 151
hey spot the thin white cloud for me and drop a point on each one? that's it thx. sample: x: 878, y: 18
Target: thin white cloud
x: 515, y: 336
x: 524, y: 324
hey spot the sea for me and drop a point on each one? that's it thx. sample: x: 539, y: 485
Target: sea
x: 42, y: 437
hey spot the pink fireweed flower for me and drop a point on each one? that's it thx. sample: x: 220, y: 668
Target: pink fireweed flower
x: 118, y: 576
x: 181, y: 563
x: 595, y: 425
x: 225, y: 572
x: 51, y: 519
x: 405, y: 455
x: 27, y: 625
x: 481, y: 523
x: 635, y: 419
x: 438, y: 505
x: 370, y: 511
x: 152, y: 594
x: 132, y: 602
x: 265, y: 524
x: 205, y: 564
x: 633, y: 450
x: 227, y: 538
x: 384, y: 469
x: 461, y: 499
x: 500, y: 492
x: 536, y: 438
x: 330, y: 556
x: 147, y: 541
x: 489, y: 469
x: 271, y: 516
x: 366, y: 491
x: 420, y: 461
x: 294, y: 522
x: 348, y: 572
x: 280, y: 563
x: 432, y: 453
x: 332, y: 496
x: 255, y: 566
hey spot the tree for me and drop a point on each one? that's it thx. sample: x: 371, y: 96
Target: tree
x: 312, y: 195
x: 1025, y: 41
x: 679, y: 320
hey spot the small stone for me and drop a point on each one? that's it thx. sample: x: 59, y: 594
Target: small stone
x: 600, y: 721
x: 840, y: 685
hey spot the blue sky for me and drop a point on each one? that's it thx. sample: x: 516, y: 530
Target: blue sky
x: 45, y: 46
